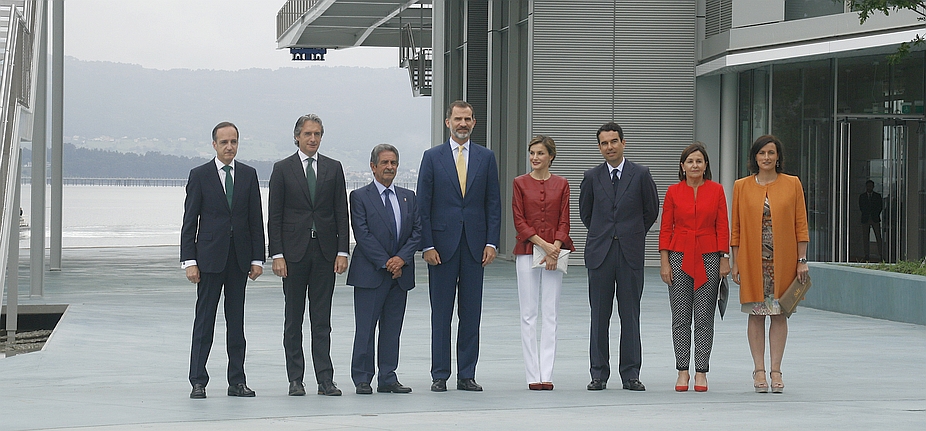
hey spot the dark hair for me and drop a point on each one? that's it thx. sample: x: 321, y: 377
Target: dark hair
x: 756, y: 146
x: 374, y: 155
x: 223, y: 125
x: 869, y: 182
x: 547, y: 143
x: 689, y: 150
x: 307, y: 117
x: 610, y: 126
x: 459, y: 104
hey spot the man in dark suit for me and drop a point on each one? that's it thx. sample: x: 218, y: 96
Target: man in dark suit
x: 618, y: 203
x: 387, y: 231
x: 460, y: 209
x: 307, y: 225
x: 221, y: 245
x: 870, y: 204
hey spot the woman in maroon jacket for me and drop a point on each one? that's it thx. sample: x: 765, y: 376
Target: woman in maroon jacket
x: 540, y: 206
x: 693, y: 245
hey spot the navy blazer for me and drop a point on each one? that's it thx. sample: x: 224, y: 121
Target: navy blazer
x: 374, y: 235
x: 626, y: 215
x: 208, y: 223
x: 444, y: 211
x: 291, y: 211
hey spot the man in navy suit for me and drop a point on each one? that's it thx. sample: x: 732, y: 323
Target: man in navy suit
x: 221, y: 245
x: 618, y: 203
x: 309, y: 239
x: 387, y: 230
x: 460, y: 209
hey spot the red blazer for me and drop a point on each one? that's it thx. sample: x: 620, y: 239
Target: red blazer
x: 695, y: 227
x: 540, y: 208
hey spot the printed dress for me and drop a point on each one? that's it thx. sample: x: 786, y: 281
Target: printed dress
x: 768, y: 307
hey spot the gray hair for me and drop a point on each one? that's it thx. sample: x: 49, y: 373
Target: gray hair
x: 374, y: 155
x: 307, y: 117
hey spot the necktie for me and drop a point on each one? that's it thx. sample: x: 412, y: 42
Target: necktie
x: 461, y: 170
x: 229, y: 184
x: 614, y: 180
x: 310, y: 178
x: 391, y: 216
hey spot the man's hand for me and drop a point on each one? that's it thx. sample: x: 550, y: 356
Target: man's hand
x: 279, y: 267
x: 395, y: 263
x: 340, y: 264
x: 488, y: 255
x: 192, y: 273
x: 397, y: 274
x: 431, y: 257
x: 256, y: 271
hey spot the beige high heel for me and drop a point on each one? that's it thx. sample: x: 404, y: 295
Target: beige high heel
x: 778, y: 387
x: 761, y: 387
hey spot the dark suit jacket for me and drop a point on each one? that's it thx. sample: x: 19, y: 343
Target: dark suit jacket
x: 208, y: 222
x: 444, y: 211
x: 870, y: 208
x: 628, y: 215
x: 374, y: 235
x: 291, y: 211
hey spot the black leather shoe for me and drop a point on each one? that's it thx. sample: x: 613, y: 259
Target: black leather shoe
x: 395, y: 388
x: 364, y: 389
x: 439, y: 385
x: 468, y: 385
x: 634, y: 385
x: 597, y: 385
x: 199, y: 391
x: 296, y: 388
x: 328, y: 388
x: 240, y: 390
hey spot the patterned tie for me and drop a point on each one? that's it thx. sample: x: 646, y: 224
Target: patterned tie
x: 392, y: 223
x: 310, y: 178
x: 229, y: 184
x: 461, y: 170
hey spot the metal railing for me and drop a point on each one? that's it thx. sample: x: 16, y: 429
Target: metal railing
x: 418, y: 61
x: 291, y: 12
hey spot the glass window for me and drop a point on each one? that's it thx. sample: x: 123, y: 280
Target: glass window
x: 753, y: 107
x: 800, y: 9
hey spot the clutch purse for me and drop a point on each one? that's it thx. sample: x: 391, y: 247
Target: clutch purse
x: 795, y: 293
x: 561, y: 264
x: 723, y: 294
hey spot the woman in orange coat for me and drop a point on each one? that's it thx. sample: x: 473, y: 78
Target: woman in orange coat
x: 769, y: 240
x: 693, y: 245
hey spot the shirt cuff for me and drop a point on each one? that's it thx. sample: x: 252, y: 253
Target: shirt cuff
x: 187, y: 263
x: 493, y: 246
x: 426, y: 249
x: 257, y: 263
x: 277, y: 256
x: 343, y: 254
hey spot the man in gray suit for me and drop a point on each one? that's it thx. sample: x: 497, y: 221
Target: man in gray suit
x: 308, y: 229
x: 618, y: 203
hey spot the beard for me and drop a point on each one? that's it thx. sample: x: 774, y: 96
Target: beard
x: 461, y: 135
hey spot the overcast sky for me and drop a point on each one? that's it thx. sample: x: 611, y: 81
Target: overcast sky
x: 193, y: 34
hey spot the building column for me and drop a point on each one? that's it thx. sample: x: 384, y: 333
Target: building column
x: 57, y: 134
x: 39, y: 155
x: 729, y: 156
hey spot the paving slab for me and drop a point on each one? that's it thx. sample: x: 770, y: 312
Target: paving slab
x: 119, y: 360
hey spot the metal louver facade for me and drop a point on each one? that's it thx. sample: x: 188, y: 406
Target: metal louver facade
x: 631, y: 62
x: 718, y: 17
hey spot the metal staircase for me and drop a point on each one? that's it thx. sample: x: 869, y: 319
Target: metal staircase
x: 418, y: 61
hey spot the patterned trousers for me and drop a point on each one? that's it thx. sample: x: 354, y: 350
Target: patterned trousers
x: 690, y: 304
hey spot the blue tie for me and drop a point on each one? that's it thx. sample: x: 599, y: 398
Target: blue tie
x: 392, y: 223
x: 614, y: 181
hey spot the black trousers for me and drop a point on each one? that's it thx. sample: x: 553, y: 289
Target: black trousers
x: 312, y: 278
x: 208, y: 291
x: 615, y: 278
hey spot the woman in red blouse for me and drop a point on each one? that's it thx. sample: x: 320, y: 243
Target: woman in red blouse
x: 693, y: 245
x: 540, y: 206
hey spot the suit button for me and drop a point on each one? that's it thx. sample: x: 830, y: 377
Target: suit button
x: 614, y: 237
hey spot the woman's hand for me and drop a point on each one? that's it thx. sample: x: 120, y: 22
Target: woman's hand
x: 550, y: 249
x: 735, y: 273
x: 802, y: 271
x: 665, y: 271
x: 724, y: 266
x: 551, y: 262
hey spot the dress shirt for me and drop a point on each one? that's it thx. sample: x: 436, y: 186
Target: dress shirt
x: 219, y: 165
x: 619, y: 169
x: 305, y: 163
x: 540, y: 207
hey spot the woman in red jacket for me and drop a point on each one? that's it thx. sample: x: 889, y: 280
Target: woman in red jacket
x: 693, y: 245
x: 540, y: 206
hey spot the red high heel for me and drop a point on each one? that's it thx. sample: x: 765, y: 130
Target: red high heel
x: 681, y: 388
x: 699, y: 388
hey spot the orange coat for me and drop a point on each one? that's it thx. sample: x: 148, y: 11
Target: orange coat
x: 694, y: 227
x: 789, y: 227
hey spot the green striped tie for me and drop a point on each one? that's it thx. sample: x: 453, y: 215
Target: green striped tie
x: 229, y: 184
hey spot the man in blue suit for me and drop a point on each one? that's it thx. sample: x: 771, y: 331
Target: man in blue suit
x: 221, y: 245
x: 460, y: 209
x: 618, y: 203
x: 387, y: 229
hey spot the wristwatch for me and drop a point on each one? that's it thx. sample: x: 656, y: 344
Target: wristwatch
x: 724, y: 255
x: 802, y: 260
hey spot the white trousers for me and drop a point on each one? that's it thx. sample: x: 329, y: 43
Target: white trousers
x: 538, y: 290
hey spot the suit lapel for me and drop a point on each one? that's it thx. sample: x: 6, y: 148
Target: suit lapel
x: 377, y: 201
x: 215, y: 182
x: 299, y: 172
x: 604, y: 179
x: 626, y: 177
x: 473, y: 166
x: 404, y: 216
x: 445, y: 158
